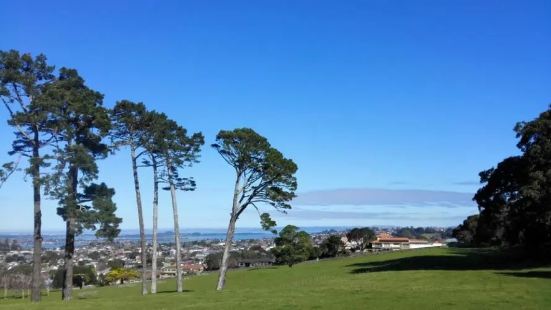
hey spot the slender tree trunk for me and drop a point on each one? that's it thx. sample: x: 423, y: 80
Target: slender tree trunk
x: 5, y: 288
x: 70, y: 236
x: 140, y: 218
x: 179, y: 285
x: 37, y: 233
x: 226, y: 255
x: 229, y: 237
x: 68, y: 259
x: 155, y: 220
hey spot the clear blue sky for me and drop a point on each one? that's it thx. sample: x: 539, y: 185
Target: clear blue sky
x: 392, y: 95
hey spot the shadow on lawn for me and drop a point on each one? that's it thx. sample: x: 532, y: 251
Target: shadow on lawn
x: 459, y: 259
x: 529, y: 274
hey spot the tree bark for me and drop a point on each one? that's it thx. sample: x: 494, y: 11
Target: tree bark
x: 179, y: 285
x: 37, y: 232
x: 155, y: 220
x: 229, y: 236
x: 68, y: 260
x: 140, y: 219
x: 70, y: 236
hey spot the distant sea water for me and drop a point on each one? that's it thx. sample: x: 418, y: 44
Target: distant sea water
x: 56, y: 239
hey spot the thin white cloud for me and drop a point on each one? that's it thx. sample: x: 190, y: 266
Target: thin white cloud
x: 377, y: 196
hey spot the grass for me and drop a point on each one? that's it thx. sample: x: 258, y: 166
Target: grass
x: 422, y: 279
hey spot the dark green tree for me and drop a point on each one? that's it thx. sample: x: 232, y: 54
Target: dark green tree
x: 532, y: 220
x: 362, y: 237
x: 515, y: 200
x: 465, y: 233
x: 130, y: 128
x: 331, y: 246
x: 292, y: 246
x: 80, y: 123
x: 262, y: 176
x: 22, y: 79
x: 495, y: 199
x: 86, y: 273
x: 115, y: 263
x: 214, y: 260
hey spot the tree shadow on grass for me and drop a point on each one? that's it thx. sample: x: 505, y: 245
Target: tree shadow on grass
x: 529, y: 274
x: 459, y: 259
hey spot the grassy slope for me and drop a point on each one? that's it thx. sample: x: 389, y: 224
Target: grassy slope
x: 423, y: 279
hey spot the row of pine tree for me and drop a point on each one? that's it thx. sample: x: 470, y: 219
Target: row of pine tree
x: 62, y: 128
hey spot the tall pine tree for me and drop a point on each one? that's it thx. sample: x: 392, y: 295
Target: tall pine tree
x: 130, y: 128
x: 80, y: 123
x: 178, y: 151
x: 22, y: 80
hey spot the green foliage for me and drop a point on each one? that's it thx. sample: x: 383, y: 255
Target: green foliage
x: 214, y: 260
x: 86, y: 273
x: 116, y: 264
x: 331, y: 246
x: 466, y: 232
x: 23, y: 79
x: 80, y: 123
x: 514, y: 202
x: 292, y: 246
x: 6, y: 170
x: 362, y: 236
x: 130, y: 124
x: 267, y: 223
x: 102, y: 212
x: 264, y: 175
x: 170, y: 143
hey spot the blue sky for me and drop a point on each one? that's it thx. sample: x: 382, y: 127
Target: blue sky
x: 369, y: 96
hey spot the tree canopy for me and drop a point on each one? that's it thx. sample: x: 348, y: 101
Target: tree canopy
x: 292, y: 246
x: 264, y: 175
x: 331, y: 246
x: 515, y: 199
x: 362, y: 236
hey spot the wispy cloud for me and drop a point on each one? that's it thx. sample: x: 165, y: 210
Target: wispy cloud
x: 377, y: 196
x: 398, y: 183
x: 466, y: 183
x: 379, y: 215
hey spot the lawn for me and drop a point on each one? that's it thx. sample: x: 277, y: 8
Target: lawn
x: 417, y: 279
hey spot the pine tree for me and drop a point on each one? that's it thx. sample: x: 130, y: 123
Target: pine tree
x: 130, y: 128
x: 80, y: 123
x: 263, y: 176
x: 178, y: 151
x: 22, y: 79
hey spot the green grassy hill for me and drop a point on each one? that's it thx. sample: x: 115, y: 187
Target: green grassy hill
x: 419, y: 279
